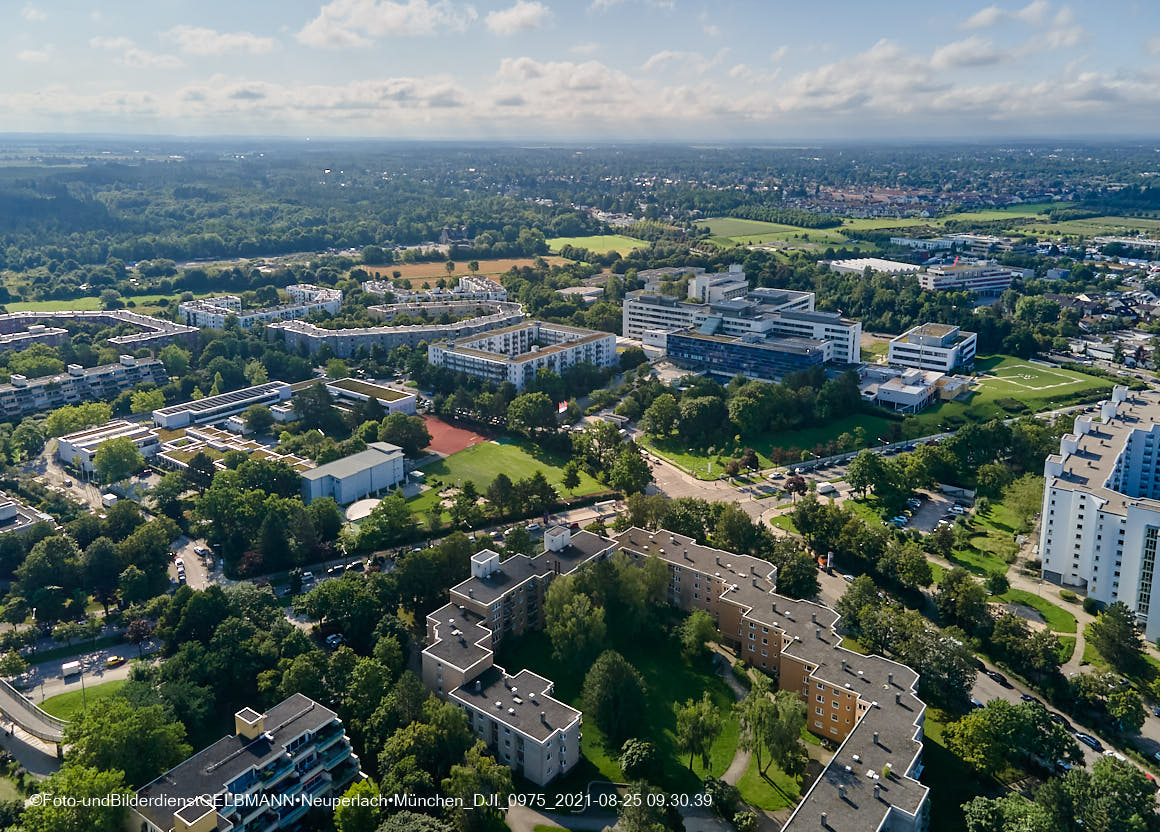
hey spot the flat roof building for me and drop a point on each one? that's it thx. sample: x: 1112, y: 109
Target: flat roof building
x: 353, y: 389
x: 154, y: 331
x: 22, y: 396
x: 931, y: 346
x: 858, y: 265
x: 517, y: 353
x: 265, y: 776
x: 353, y: 477
x: 470, y: 287
x: 981, y: 278
x: 755, y: 357
x: 78, y: 449
x: 16, y: 517
x: 221, y: 407
x: 1101, y: 506
x: 305, y: 298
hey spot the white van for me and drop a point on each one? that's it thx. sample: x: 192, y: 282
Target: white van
x: 70, y: 669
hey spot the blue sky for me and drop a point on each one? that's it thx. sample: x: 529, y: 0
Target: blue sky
x: 668, y: 69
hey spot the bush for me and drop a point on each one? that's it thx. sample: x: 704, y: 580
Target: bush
x: 724, y: 796
x: 741, y: 672
x: 1011, y: 405
x: 1091, y: 606
x: 1068, y: 595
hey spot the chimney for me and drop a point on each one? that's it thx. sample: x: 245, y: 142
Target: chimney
x: 775, y: 606
x: 843, y: 665
x: 890, y: 678
x: 877, y: 791
x: 814, y: 617
x: 249, y: 723
x: 876, y: 738
x: 479, y: 687
x: 842, y: 792
x: 898, y: 699
x: 824, y: 820
x: 818, y: 633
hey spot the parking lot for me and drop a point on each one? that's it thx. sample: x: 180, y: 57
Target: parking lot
x: 935, y: 507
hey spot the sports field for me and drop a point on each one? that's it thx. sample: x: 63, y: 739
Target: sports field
x: 599, y: 243
x: 1021, y: 379
x: 448, y: 439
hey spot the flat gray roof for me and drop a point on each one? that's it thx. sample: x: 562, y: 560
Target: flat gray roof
x: 375, y: 454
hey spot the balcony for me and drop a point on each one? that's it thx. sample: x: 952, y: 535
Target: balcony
x: 337, y: 757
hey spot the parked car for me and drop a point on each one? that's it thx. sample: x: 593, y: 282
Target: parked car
x: 307, y: 577
x: 1090, y: 741
x: 1027, y: 697
x: 998, y: 677
x: 975, y: 703
x: 114, y: 661
x: 334, y: 641
x: 848, y: 579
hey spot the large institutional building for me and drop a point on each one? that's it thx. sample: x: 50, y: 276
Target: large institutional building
x: 865, y: 704
x: 984, y: 278
x: 1101, y: 506
x: 516, y: 353
x: 353, y: 477
x: 758, y: 317
x: 939, y: 347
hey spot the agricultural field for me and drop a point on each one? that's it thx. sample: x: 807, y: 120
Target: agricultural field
x: 430, y: 272
x: 599, y: 243
x: 1094, y: 227
x: 728, y: 231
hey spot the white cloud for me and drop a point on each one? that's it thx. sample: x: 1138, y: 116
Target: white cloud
x: 132, y: 56
x: 972, y: 51
x: 35, y: 56
x: 524, y: 16
x: 779, y: 54
x: 347, y: 23
x: 605, y: 5
x: 1034, y: 13
x: 586, y: 48
x: 197, y: 40
x: 32, y: 13
x: 695, y: 61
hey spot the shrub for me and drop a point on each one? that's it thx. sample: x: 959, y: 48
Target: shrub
x: 1068, y: 595
x: 1090, y: 606
x: 724, y: 796
x: 1011, y: 405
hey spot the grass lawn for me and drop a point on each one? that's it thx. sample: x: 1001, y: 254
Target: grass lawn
x: 68, y: 706
x: 728, y: 231
x: 784, y: 521
x: 74, y: 649
x: 1066, y: 648
x: 671, y: 679
x: 599, y: 243
x: 418, y: 273
x: 776, y: 792
x: 8, y: 790
x: 1058, y: 619
x: 143, y: 303
x: 1094, y: 226
x: 480, y: 463
x: 1039, y: 388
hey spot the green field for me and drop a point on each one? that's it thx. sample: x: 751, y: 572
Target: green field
x: 1094, y: 227
x: 480, y: 463
x: 1004, y: 377
x: 728, y: 231
x: 90, y: 304
x: 68, y: 706
x: 599, y: 243
x: 1058, y: 619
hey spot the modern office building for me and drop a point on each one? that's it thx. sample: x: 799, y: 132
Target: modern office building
x: 987, y: 278
x: 514, y: 714
x: 763, y: 313
x: 346, y: 342
x: 304, y: 299
x: 263, y: 777
x: 470, y: 287
x: 928, y: 244
x: 1101, y: 506
x: 154, y: 331
x: 22, y: 396
x: 859, y: 265
x: 78, y: 449
x: 752, y: 356
x: 17, y: 518
x: 930, y: 346
x: 865, y: 703
x: 516, y: 353
x: 373, y: 471
x: 221, y: 407
x: 357, y: 390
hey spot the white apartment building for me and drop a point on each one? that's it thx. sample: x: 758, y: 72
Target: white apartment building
x: 516, y: 353
x: 1101, y: 505
x: 78, y: 449
x: 305, y: 298
x: 21, y: 396
x: 939, y: 347
x: 981, y: 278
x: 779, y: 313
x: 470, y: 287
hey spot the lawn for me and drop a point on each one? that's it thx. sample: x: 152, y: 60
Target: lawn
x: 89, y: 303
x: 670, y: 678
x: 1058, y: 619
x: 1037, y: 387
x: 599, y: 243
x: 1066, y: 648
x: 8, y: 791
x: 430, y: 272
x: 729, y: 231
x: 480, y: 463
x: 778, y: 792
x: 68, y: 706
x: 1094, y: 227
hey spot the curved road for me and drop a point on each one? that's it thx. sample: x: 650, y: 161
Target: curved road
x: 15, y: 708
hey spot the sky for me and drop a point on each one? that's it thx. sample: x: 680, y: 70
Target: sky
x: 674, y: 70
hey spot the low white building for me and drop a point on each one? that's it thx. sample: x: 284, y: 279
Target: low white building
x: 353, y: 477
x: 940, y: 347
x: 78, y: 449
x: 985, y: 278
x: 859, y: 265
x: 17, y: 518
x: 357, y: 390
x: 219, y: 408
